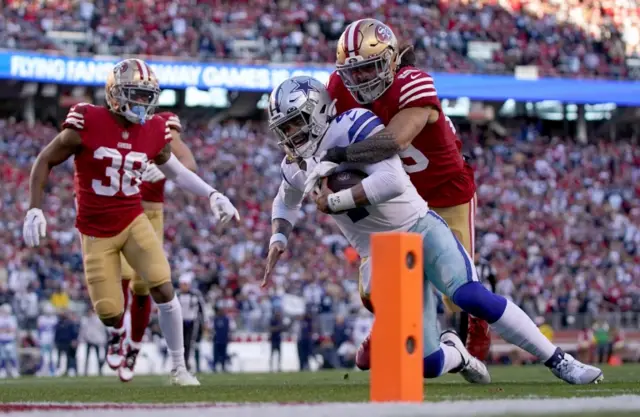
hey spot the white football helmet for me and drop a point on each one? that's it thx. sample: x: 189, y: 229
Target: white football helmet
x: 300, y: 110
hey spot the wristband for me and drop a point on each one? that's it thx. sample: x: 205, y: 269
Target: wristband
x: 341, y: 201
x: 278, y: 237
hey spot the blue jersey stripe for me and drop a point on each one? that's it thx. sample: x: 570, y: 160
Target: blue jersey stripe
x: 367, y: 129
x: 358, y: 123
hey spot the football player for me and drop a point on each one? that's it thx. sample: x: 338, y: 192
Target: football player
x: 371, y: 72
x: 8, y: 341
x: 152, y: 193
x: 301, y: 114
x: 302, y: 118
x: 112, y: 147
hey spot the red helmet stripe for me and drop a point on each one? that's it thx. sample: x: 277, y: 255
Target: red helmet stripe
x: 356, y: 37
x: 141, y: 69
x: 345, y: 40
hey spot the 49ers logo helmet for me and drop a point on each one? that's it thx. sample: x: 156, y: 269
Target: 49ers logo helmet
x: 132, y: 90
x: 367, y: 58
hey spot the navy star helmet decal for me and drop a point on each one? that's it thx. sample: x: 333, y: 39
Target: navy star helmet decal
x: 304, y: 87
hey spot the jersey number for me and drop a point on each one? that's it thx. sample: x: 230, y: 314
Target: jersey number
x: 133, y: 165
x: 415, y: 161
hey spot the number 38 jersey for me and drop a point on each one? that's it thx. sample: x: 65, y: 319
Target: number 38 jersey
x: 357, y: 225
x: 434, y: 159
x: 109, y: 167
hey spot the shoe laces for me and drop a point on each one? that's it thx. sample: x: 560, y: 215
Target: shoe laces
x: 130, y: 358
x: 114, y: 342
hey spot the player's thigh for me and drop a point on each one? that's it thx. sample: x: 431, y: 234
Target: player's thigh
x: 430, y: 324
x: 144, y: 252
x: 156, y: 218
x: 137, y: 284
x: 364, y: 283
x: 446, y: 264
x: 102, y: 270
x: 127, y: 271
x: 461, y: 220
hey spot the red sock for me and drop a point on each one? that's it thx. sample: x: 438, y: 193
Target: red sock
x: 125, y: 294
x: 140, y: 312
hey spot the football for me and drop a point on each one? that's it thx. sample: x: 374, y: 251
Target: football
x: 345, y: 179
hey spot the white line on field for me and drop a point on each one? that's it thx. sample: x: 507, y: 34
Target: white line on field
x: 439, y: 409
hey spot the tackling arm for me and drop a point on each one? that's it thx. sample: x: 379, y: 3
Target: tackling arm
x: 385, y: 181
x: 395, y: 138
x: 61, y: 148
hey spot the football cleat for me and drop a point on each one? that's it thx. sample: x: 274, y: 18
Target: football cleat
x: 571, y: 370
x: 115, y: 356
x: 363, y: 356
x: 472, y: 369
x: 182, y: 377
x: 478, y: 338
x: 126, y: 371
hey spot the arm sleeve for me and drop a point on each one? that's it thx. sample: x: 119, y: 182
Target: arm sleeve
x: 386, y: 180
x: 174, y: 170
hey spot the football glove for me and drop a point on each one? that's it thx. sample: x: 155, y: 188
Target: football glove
x: 321, y: 170
x: 222, y: 208
x: 34, y: 227
x: 152, y: 173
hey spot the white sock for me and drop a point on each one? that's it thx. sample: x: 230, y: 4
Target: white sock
x: 452, y: 358
x: 170, y: 320
x: 113, y: 330
x: 518, y: 329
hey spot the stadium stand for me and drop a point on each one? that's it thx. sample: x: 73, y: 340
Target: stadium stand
x: 587, y: 39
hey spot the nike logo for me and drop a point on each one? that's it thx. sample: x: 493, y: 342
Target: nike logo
x: 414, y: 76
x: 352, y: 116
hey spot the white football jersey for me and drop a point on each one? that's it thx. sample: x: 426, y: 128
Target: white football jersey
x: 47, y: 329
x: 8, y: 329
x: 397, y: 214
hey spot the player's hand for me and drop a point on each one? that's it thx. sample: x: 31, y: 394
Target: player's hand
x: 34, y: 227
x: 322, y: 169
x: 152, y: 173
x: 222, y: 208
x: 275, y: 252
x: 320, y: 195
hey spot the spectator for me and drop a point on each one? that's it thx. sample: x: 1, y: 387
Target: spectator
x: 277, y: 326
x: 94, y: 334
x: 66, y: 339
x: 221, y: 339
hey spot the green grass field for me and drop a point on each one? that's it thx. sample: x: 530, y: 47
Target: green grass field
x: 334, y: 386
x: 533, y: 384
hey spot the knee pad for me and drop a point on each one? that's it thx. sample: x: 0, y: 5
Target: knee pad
x: 107, y: 308
x: 139, y: 287
x: 476, y: 300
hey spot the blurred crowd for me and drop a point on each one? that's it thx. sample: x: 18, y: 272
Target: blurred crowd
x: 572, y: 38
x: 558, y: 223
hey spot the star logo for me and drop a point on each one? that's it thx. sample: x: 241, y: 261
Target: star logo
x: 304, y: 87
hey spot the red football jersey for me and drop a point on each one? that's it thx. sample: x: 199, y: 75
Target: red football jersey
x: 434, y: 160
x: 154, y: 191
x: 109, y: 167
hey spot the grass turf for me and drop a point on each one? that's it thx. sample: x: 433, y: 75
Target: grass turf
x: 330, y: 386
